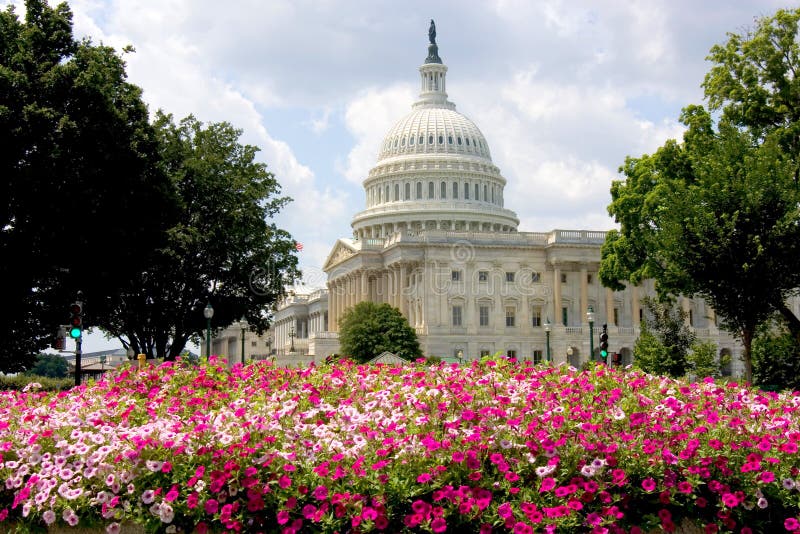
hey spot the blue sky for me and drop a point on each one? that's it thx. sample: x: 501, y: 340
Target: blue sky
x: 562, y: 90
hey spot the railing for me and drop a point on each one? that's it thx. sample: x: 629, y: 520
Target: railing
x: 577, y: 236
x: 325, y: 335
x: 626, y: 330
x: 420, y: 330
x: 573, y: 330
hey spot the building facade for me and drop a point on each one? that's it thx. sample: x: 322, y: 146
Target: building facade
x: 435, y: 241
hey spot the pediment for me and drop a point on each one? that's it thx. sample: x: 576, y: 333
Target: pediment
x: 341, y: 251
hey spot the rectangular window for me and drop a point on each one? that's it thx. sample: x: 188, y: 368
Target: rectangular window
x: 537, y: 356
x: 510, y: 315
x: 509, y: 277
x: 616, y: 316
x: 691, y: 317
x: 563, y: 278
x: 536, y: 277
x: 511, y: 353
x: 564, y: 316
x: 456, y: 315
x: 254, y: 343
x: 589, y: 278
x: 455, y: 276
x: 466, y: 191
x: 483, y: 315
x: 536, y: 316
x: 483, y: 276
x: 485, y: 353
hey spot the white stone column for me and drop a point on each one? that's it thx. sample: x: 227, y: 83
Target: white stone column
x: 610, y: 307
x: 557, y: 294
x: 584, y: 293
x: 364, y: 287
x: 686, y: 306
x: 401, y: 293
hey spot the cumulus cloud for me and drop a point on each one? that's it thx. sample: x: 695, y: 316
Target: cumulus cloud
x: 368, y: 117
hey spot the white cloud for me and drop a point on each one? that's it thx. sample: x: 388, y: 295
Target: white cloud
x: 368, y: 117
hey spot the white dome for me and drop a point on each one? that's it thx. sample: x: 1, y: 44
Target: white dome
x: 434, y: 130
x: 434, y: 171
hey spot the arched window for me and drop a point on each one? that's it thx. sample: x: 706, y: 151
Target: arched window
x: 386, y: 195
x: 455, y: 190
x: 411, y: 140
x: 408, y: 191
x: 466, y: 191
x: 421, y: 139
x: 492, y: 194
x: 441, y: 140
x: 403, y: 141
x: 459, y: 140
x: 396, y: 192
x: 484, y: 194
x: 379, y: 195
x: 430, y: 139
x: 419, y: 190
x: 467, y: 138
x: 449, y: 139
x: 443, y: 190
x: 430, y: 189
x: 477, y: 190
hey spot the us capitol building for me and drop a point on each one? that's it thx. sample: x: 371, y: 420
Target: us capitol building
x: 436, y: 242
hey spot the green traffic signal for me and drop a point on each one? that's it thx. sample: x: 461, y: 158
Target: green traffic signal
x: 604, y: 354
x: 75, y: 332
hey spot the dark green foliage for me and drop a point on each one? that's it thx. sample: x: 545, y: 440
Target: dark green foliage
x: 664, y: 343
x: 50, y: 365
x: 221, y: 248
x: 776, y: 357
x: 368, y: 329
x: 703, y: 360
x: 81, y: 203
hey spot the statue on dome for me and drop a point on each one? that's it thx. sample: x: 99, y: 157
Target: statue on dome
x: 432, y: 32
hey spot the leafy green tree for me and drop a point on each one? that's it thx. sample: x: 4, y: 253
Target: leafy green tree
x: 222, y: 248
x: 664, y: 341
x: 776, y: 357
x: 755, y: 84
x: 703, y: 360
x: 50, y: 365
x: 77, y: 177
x: 717, y: 215
x: 368, y: 329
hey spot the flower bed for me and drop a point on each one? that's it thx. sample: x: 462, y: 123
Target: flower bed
x: 494, y: 447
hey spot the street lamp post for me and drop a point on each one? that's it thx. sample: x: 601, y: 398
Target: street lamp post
x: 590, y: 319
x: 547, y: 327
x: 243, y: 325
x: 291, y: 337
x: 208, y: 313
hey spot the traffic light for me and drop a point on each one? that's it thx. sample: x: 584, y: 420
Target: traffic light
x: 604, y: 343
x: 75, y: 319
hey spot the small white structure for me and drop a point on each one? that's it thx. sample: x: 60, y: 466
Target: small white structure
x: 389, y: 358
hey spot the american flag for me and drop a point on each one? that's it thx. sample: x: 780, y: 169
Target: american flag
x: 298, y: 246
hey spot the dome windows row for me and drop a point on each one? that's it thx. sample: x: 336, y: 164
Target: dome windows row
x: 466, y: 143
x: 407, y: 191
